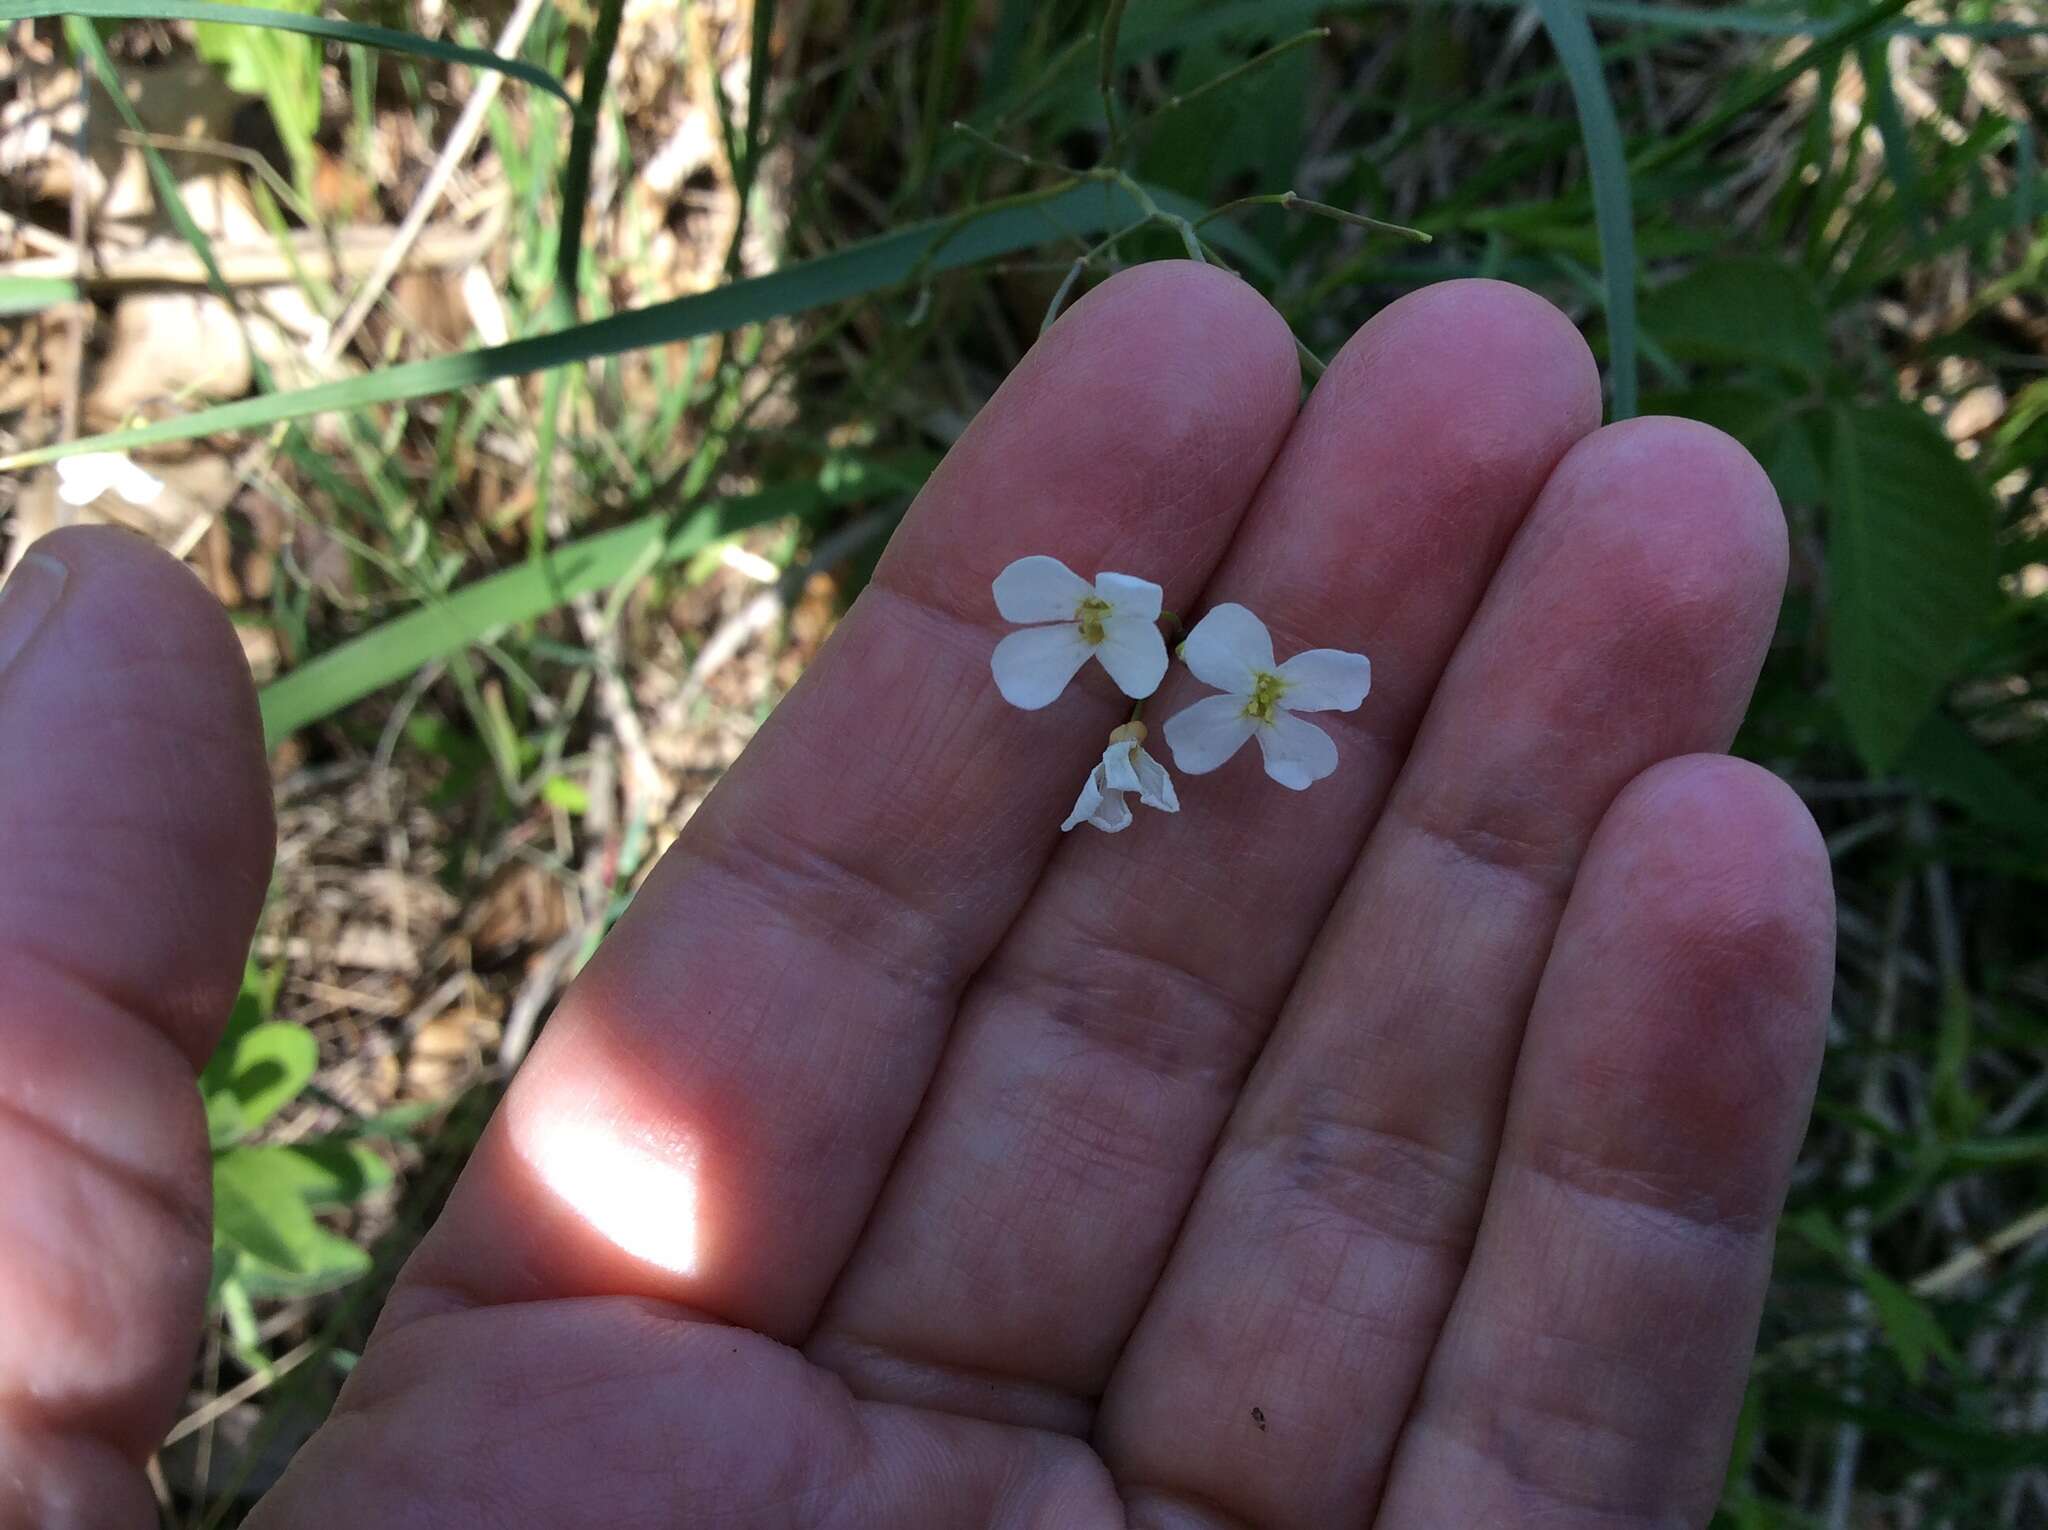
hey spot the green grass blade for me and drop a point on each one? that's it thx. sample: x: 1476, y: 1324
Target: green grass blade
x: 597, y: 68
x: 85, y: 41
x: 868, y: 267
x: 762, y: 31
x: 401, y: 646
x: 574, y: 205
x: 385, y: 39
x: 32, y: 294
x: 1613, y: 211
x: 1891, y: 131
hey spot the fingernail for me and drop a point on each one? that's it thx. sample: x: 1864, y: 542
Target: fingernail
x: 30, y: 594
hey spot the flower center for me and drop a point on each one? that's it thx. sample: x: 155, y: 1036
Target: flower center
x: 1264, y: 702
x: 1090, y: 614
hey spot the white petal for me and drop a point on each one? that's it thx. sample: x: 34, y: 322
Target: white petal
x: 1208, y: 733
x: 1129, y: 595
x: 136, y: 485
x: 1325, y: 680
x: 1040, y: 589
x: 1032, y: 667
x: 1114, y: 814
x: 84, y: 478
x: 1089, y: 800
x: 1126, y: 767
x: 1155, y: 786
x: 1298, y: 754
x: 1100, y: 804
x: 1134, y: 654
x: 1227, y: 648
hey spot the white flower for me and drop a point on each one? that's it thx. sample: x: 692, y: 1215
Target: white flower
x: 84, y: 478
x: 1125, y: 767
x: 1231, y: 650
x: 1115, y: 619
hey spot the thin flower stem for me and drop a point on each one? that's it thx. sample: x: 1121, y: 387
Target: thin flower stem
x: 1112, y: 23
x: 1294, y: 202
x: 1081, y: 262
x: 1016, y: 156
x: 1229, y: 76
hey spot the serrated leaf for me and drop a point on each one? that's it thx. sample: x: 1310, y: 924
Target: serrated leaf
x: 1741, y: 310
x: 1945, y: 758
x: 1910, y: 563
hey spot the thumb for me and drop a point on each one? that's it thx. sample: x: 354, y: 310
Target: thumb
x: 135, y: 843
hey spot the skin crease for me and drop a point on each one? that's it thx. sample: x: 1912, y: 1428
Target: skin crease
x: 1403, y: 1152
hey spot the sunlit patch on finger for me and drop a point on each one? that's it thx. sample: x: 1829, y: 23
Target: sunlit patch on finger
x: 636, y: 1188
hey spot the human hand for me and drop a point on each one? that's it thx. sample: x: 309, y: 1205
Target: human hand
x: 1404, y: 1151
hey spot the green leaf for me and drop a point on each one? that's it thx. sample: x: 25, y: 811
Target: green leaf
x: 323, y: 1173
x: 1944, y: 758
x: 32, y: 294
x: 267, y: 1068
x: 1910, y: 564
x: 1909, y: 1326
x: 382, y: 38
x: 1607, y: 161
x: 568, y: 795
x: 399, y: 647
x: 889, y: 260
x: 327, y: 1261
x: 257, y: 1207
x: 1739, y: 310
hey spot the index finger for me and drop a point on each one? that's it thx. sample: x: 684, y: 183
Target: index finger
x: 712, y: 1110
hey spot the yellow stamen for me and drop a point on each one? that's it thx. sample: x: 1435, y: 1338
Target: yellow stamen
x: 1267, y: 689
x: 1090, y: 613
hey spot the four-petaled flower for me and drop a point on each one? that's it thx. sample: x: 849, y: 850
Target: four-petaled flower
x: 1231, y: 650
x: 1125, y: 767
x: 1115, y: 619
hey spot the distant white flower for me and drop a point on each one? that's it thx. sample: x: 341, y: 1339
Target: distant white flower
x: 1115, y: 619
x: 1231, y: 650
x: 84, y: 478
x: 1125, y: 767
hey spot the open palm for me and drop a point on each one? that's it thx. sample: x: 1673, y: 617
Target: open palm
x: 1404, y: 1151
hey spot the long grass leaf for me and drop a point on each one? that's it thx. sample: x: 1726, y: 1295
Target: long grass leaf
x: 1613, y: 208
x: 32, y: 294
x: 384, y: 39
x: 85, y: 40
x: 401, y: 646
x: 573, y: 208
x: 868, y: 267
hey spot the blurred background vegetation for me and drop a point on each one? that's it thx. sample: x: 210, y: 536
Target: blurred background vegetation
x: 535, y: 423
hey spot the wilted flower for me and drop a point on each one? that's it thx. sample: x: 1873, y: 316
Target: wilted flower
x: 1125, y: 767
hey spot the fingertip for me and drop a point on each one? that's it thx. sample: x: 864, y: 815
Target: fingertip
x: 1130, y: 437
x: 1711, y: 504
x: 1709, y: 882
x: 1722, y: 847
x: 1506, y: 365
x: 135, y: 806
x: 1191, y: 315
